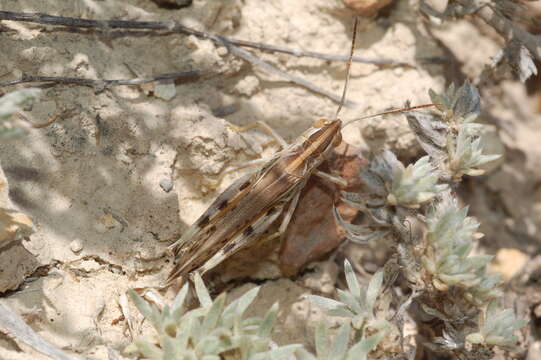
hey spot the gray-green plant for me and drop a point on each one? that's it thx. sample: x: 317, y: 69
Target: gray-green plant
x: 210, y: 331
x: 11, y: 103
x: 452, y: 285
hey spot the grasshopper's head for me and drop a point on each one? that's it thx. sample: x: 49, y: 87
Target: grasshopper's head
x: 324, y: 136
x: 331, y: 129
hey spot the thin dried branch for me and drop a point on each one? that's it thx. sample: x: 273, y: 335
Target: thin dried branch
x: 183, y: 75
x: 175, y: 27
x: 170, y: 26
x: 273, y: 70
x: 13, y: 325
x: 505, y: 27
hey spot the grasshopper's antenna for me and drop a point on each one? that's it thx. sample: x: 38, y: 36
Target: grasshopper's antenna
x: 350, y: 60
x: 394, y: 111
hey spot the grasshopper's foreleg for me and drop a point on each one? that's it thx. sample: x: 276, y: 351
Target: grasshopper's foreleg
x: 263, y: 126
x: 332, y: 178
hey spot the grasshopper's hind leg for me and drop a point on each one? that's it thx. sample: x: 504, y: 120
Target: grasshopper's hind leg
x: 247, y: 236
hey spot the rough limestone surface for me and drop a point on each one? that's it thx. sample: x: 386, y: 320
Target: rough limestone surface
x: 122, y: 172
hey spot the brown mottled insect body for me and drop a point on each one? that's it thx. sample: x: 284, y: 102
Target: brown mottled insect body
x: 247, y: 208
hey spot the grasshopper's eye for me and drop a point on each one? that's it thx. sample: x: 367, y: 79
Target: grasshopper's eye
x: 318, y: 124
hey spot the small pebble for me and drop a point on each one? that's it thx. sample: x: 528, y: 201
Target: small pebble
x: 166, y: 185
x: 76, y: 245
x: 165, y: 90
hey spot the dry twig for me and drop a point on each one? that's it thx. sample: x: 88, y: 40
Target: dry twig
x: 170, y: 26
x: 175, y: 27
x: 184, y: 75
x: 505, y: 27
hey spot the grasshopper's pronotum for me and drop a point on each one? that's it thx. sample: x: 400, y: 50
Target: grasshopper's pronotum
x: 248, y: 207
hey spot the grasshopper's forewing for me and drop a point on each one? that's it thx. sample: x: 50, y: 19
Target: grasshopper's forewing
x: 250, y: 205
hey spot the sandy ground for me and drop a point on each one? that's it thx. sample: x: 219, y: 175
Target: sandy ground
x: 122, y: 172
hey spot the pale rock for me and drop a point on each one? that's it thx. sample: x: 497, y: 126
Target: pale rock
x: 366, y: 7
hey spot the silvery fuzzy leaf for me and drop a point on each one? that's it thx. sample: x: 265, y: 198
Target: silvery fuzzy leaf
x: 520, y: 59
x: 433, y: 312
x: 391, y: 164
x: 148, y: 310
x: 7, y: 132
x: 268, y: 322
x: 358, y: 233
x: 208, y: 345
x: 322, y: 341
x: 148, y: 350
x: 468, y: 155
x: 468, y: 101
x: 282, y: 352
x: 449, y: 227
x: 348, y: 299
x: 372, y: 182
x: 239, y: 306
x: 353, y: 198
x: 362, y: 200
x: 13, y: 101
x: 214, y: 313
x: 367, y: 237
x: 177, y: 307
x: 456, y: 279
x: 381, y: 216
x: 303, y: 354
x: 170, y: 350
x: 341, y: 312
x: 184, y: 332
x: 361, y: 350
x: 374, y: 289
x: 416, y: 184
x: 460, y: 103
x: 211, y: 357
x: 431, y: 134
x: 477, y: 262
x: 331, y: 307
x: 500, y: 325
x: 351, y: 279
x: 201, y: 291
x: 340, y: 345
x: 246, y: 300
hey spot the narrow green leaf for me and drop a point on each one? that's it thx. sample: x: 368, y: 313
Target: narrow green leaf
x: 266, y: 326
x: 350, y: 301
x: 201, y: 290
x: 303, y: 354
x: 149, y: 311
x: 325, y: 303
x: 148, y: 350
x: 340, y: 344
x: 374, y: 288
x: 351, y: 279
x: 177, y: 305
x: 213, y: 316
x: 361, y: 350
x: 322, y: 341
x: 245, y: 300
x: 283, y: 352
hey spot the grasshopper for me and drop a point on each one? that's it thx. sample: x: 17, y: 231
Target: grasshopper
x: 247, y: 208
